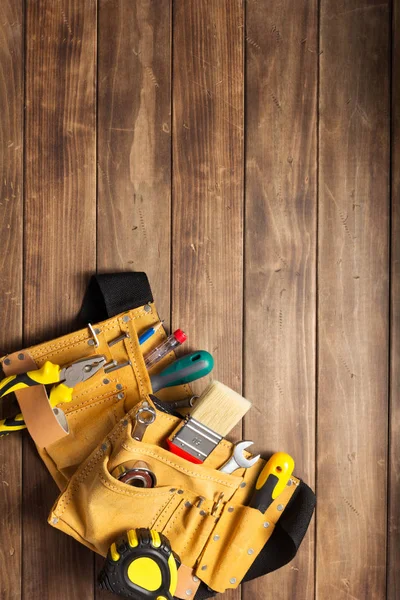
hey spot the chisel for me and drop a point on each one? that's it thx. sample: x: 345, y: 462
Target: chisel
x: 272, y: 480
x: 184, y: 370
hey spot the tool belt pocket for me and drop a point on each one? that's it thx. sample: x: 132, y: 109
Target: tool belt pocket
x: 201, y: 510
x: 96, y: 507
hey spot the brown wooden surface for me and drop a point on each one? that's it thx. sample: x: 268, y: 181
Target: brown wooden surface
x: 280, y: 250
x: 207, y: 185
x: 59, y: 245
x: 11, y: 207
x: 134, y: 141
x: 393, y: 572
x: 353, y: 300
x: 239, y: 152
x: 134, y: 146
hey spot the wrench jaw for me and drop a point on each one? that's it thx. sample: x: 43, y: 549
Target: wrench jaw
x: 237, y: 460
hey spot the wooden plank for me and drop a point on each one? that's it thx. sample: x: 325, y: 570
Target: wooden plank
x: 280, y: 294
x: 134, y: 145
x: 393, y: 579
x: 353, y: 300
x: 11, y: 189
x: 207, y: 217
x: 60, y: 246
x: 134, y: 141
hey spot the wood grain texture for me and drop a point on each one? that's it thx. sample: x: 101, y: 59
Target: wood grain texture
x: 280, y: 251
x: 11, y: 190
x: 393, y: 571
x: 134, y: 141
x: 207, y: 194
x: 60, y: 247
x: 134, y: 145
x: 353, y: 300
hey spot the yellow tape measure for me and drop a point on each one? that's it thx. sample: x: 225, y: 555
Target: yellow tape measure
x: 142, y: 566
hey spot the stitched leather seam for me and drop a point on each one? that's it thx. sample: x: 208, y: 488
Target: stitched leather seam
x: 131, y: 493
x: 176, y: 466
x: 129, y: 343
x: 173, y: 519
x: 69, y: 493
x: 161, y: 510
x: 91, y: 390
x: 72, y: 340
x: 189, y: 540
x: 96, y: 402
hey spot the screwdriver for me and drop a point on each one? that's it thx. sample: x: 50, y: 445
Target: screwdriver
x: 272, y: 480
x: 184, y: 370
x: 173, y: 341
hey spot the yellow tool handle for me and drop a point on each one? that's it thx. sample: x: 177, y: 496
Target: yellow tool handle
x: 272, y: 480
x: 281, y: 465
x: 48, y: 373
x: 60, y: 394
x: 9, y: 425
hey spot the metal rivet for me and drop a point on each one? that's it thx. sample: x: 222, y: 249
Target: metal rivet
x: 203, y: 513
x: 195, y: 579
x: 91, y: 342
x: 232, y: 580
x: 180, y: 491
x: 266, y: 524
x: 21, y: 356
x: 216, y: 538
x: 250, y: 551
x: 280, y: 507
x: 188, y: 504
x: 147, y: 308
x: 105, y: 381
x: 119, y: 386
x: 290, y: 482
x: 7, y: 361
x: 172, y: 490
x: 126, y: 318
x: 231, y: 509
x: 204, y: 567
x: 97, y: 330
x: 243, y: 484
x: 55, y: 520
x: 189, y: 592
x: 104, y: 447
x: 125, y: 423
x: 120, y: 396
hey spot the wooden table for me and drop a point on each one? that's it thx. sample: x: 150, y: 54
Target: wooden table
x: 244, y: 154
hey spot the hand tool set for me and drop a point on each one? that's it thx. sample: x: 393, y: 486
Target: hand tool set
x: 147, y: 476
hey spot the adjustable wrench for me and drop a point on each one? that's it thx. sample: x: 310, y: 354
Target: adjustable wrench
x: 237, y: 460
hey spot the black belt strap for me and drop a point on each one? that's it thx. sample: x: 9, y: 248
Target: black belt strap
x: 109, y: 294
x: 283, y: 543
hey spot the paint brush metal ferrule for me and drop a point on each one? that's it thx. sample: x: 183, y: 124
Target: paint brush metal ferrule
x: 196, y: 439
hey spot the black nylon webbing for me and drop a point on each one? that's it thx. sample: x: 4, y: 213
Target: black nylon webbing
x: 285, y: 540
x: 109, y: 294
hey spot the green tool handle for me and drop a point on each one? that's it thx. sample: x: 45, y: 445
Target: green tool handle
x: 184, y: 370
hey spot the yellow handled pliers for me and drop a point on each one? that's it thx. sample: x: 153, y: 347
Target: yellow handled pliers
x: 66, y: 377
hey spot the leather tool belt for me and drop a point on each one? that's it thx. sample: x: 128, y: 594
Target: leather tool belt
x: 220, y: 543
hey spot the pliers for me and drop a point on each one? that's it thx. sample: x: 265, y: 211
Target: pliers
x: 66, y: 377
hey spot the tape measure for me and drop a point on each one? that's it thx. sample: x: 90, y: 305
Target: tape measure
x: 142, y: 566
